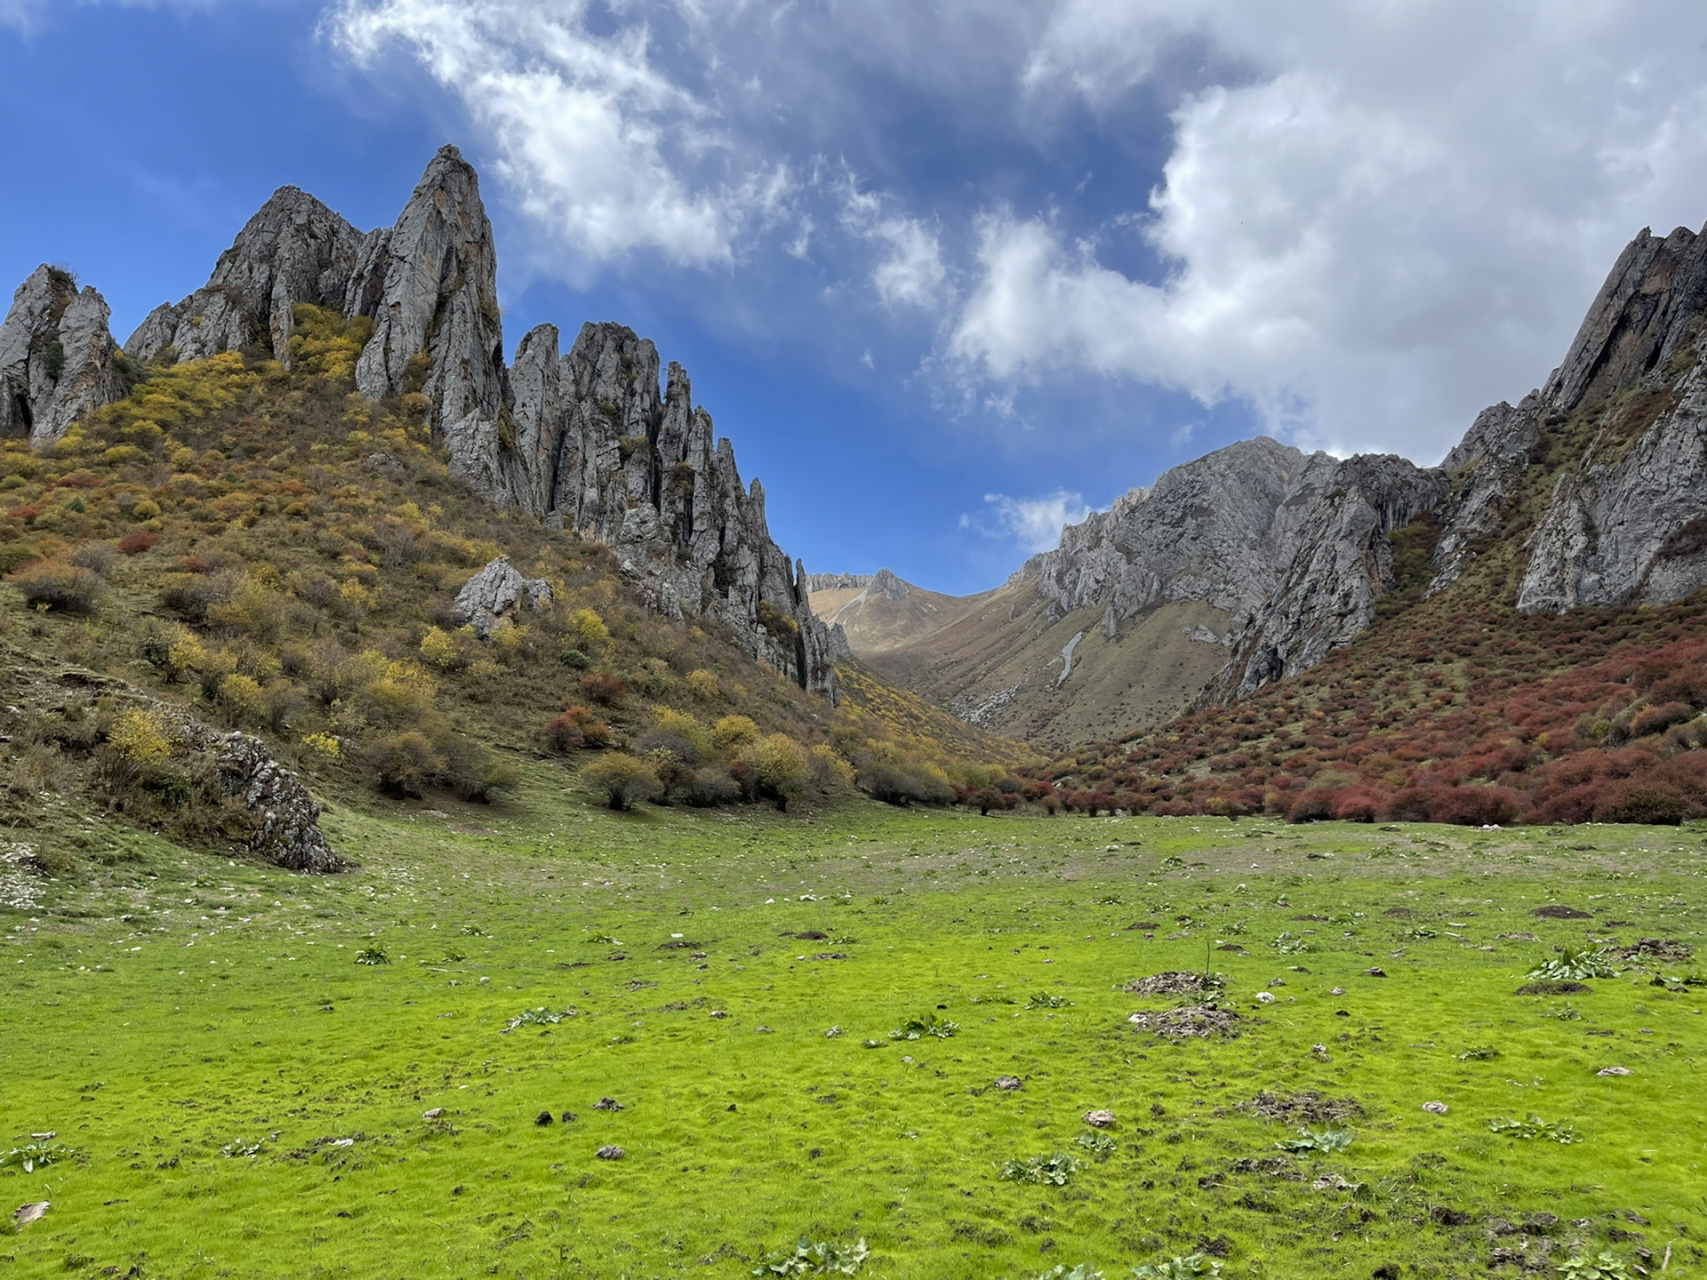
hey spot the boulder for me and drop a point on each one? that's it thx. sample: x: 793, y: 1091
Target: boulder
x: 287, y: 832
x: 495, y: 593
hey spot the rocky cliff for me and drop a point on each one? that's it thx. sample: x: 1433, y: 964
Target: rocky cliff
x: 585, y: 441
x: 58, y: 360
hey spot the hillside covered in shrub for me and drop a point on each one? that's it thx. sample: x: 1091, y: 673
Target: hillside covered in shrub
x: 279, y: 554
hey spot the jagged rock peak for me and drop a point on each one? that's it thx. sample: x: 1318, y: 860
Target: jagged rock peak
x: 430, y: 284
x: 58, y: 360
x: 1649, y: 308
x: 293, y: 250
x: 887, y: 585
x: 838, y: 581
x: 595, y: 448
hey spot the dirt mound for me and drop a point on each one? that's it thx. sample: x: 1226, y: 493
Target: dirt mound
x: 1557, y: 911
x: 1176, y: 982
x: 1306, y: 1107
x: 1553, y: 987
x: 1399, y: 913
x: 1191, y: 1022
x: 1663, y: 949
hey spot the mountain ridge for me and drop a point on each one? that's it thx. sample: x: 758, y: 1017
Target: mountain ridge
x: 589, y: 443
x: 1289, y: 556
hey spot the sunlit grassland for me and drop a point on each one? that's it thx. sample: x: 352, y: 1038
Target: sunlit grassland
x: 161, y: 1007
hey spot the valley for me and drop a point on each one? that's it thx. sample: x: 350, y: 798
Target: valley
x: 197, y: 1041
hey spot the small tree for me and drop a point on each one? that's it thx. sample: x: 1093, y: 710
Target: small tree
x: 624, y: 779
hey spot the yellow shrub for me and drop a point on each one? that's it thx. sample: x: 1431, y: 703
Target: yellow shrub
x: 142, y: 737
x: 323, y: 744
x: 147, y: 509
x: 703, y: 685
x: 241, y: 693
x: 732, y: 731
x: 829, y: 771
x: 186, y: 654
x: 667, y: 720
x: 589, y: 628
x: 441, y: 651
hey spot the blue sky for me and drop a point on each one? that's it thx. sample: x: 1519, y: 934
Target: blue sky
x: 945, y: 274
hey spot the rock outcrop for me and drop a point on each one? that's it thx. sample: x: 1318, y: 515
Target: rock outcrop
x: 496, y: 593
x: 287, y: 820
x: 1292, y: 548
x: 431, y: 286
x: 294, y: 250
x: 58, y: 360
x: 1343, y: 563
x: 599, y: 451
x: 584, y: 441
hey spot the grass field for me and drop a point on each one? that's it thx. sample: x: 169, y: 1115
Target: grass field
x: 233, y: 1095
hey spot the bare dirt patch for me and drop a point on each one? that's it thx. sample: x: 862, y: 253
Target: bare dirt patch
x: 1191, y: 1022
x: 1558, y: 911
x: 1304, y: 1107
x: 1176, y: 982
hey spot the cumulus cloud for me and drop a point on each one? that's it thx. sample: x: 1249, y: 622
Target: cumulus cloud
x: 591, y: 134
x: 1033, y: 523
x: 1381, y: 218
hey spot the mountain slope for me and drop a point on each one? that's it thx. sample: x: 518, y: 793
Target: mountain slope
x: 1254, y: 563
x: 583, y: 441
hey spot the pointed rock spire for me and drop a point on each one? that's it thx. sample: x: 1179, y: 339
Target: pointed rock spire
x: 431, y: 286
x: 58, y: 360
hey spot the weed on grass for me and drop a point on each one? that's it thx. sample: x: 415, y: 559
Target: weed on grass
x: 816, y: 1258
x: 1055, y: 1170
x: 1534, y: 1129
x: 1573, y: 965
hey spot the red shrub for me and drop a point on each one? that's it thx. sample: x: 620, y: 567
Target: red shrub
x: 1315, y: 805
x: 1361, y: 804
x: 137, y: 541
x: 577, y: 727
x: 603, y: 686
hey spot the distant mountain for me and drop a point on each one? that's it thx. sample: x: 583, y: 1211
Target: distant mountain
x: 1255, y: 562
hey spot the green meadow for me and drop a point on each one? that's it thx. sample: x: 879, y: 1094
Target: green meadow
x: 230, y: 1093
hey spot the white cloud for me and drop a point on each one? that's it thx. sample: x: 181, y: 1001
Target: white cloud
x: 589, y: 133
x: 1033, y: 523
x: 1385, y: 216
x: 910, y: 271
x: 29, y: 16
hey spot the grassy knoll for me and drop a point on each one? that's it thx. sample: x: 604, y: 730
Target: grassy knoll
x: 162, y: 1009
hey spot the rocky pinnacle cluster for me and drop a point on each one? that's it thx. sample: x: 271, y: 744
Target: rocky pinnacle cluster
x: 584, y: 441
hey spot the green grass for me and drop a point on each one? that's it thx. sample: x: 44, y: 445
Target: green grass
x: 162, y: 1007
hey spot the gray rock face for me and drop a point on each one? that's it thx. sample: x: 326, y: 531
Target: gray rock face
x: 838, y: 581
x: 1631, y: 525
x: 1219, y: 529
x: 1648, y: 311
x: 1627, y: 521
x: 293, y: 250
x: 1342, y: 566
x: 287, y: 818
x: 597, y: 450
x: 1488, y: 461
x: 430, y: 285
x: 1292, y: 547
x: 887, y: 585
x: 58, y: 362
x: 496, y: 593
